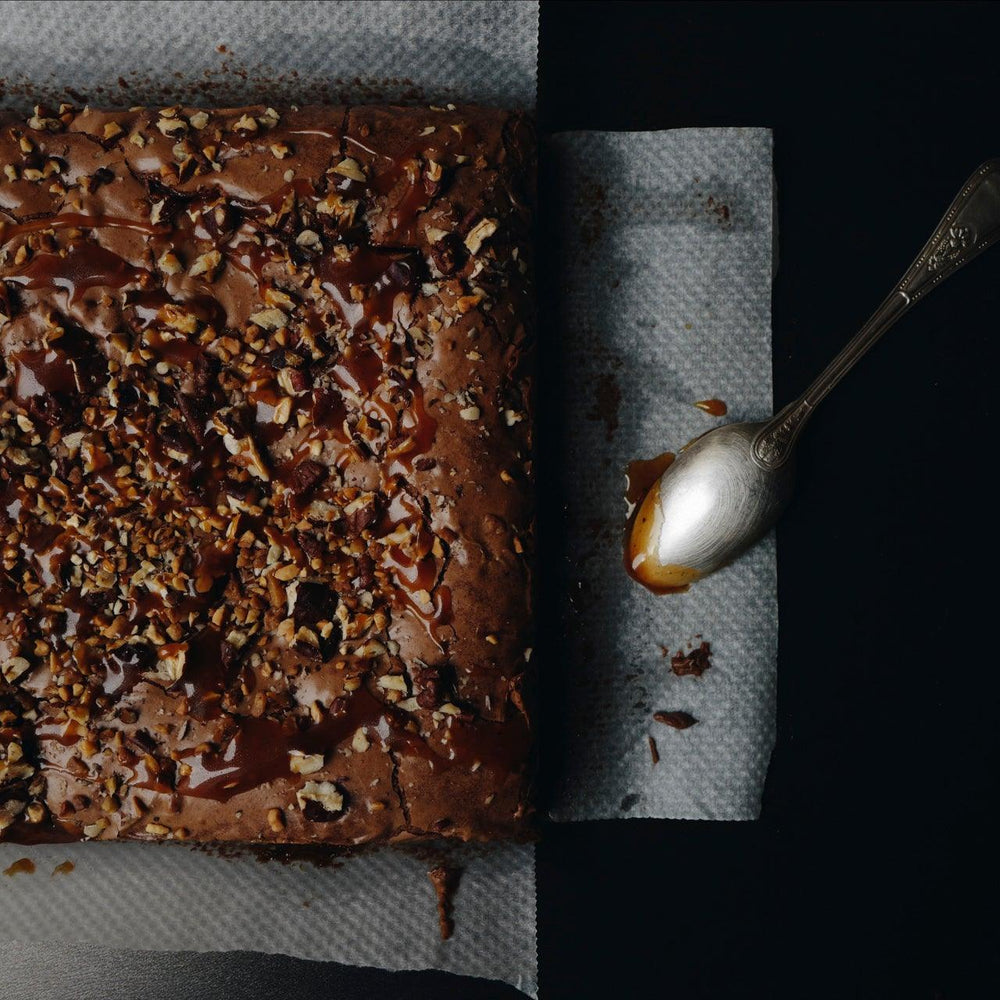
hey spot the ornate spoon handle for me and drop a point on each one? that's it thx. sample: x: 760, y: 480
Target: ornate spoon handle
x: 970, y: 226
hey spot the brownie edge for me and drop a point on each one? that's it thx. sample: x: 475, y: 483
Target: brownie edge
x: 266, y: 511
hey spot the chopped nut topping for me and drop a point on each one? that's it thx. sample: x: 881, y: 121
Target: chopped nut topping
x: 325, y: 793
x: 349, y: 168
x: 206, y: 263
x: 269, y: 319
x: 14, y: 668
x: 245, y: 124
x: 301, y: 763
x: 483, y: 230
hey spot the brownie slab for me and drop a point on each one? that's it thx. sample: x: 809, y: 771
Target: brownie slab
x: 266, y: 516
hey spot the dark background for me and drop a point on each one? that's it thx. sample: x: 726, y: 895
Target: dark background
x: 873, y: 870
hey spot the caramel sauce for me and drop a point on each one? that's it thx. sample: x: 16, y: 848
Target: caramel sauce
x: 418, y: 428
x: 403, y: 180
x: 257, y: 752
x: 642, y: 473
x: 642, y: 494
x: 385, y: 274
x: 64, y: 868
x: 31, y: 834
x: 84, y: 266
x: 148, y: 307
x: 24, y: 866
x: 175, y: 351
x: 124, y: 668
x: 713, y: 407
x: 360, y: 370
x: 44, y: 371
x: 74, y: 220
x: 66, y: 734
x: 204, y: 678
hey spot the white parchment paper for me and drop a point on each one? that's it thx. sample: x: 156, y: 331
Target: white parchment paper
x: 377, y: 909
x: 667, y: 285
x: 231, y: 52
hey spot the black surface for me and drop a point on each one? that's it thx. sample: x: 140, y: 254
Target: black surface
x: 872, y: 872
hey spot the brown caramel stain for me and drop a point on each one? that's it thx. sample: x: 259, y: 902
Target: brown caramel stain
x: 63, y: 869
x: 642, y: 478
x: 607, y: 400
x: 713, y: 407
x: 445, y: 878
x: 25, y: 866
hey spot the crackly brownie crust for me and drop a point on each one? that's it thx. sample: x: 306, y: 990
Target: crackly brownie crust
x: 265, y: 480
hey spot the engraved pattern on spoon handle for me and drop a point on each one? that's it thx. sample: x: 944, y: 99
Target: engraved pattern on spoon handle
x: 970, y: 226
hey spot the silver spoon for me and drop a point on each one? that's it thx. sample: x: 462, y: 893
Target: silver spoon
x: 728, y: 486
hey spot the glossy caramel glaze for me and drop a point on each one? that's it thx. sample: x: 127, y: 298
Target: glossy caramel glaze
x: 265, y: 474
x: 642, y: 496
x: 713, y: 407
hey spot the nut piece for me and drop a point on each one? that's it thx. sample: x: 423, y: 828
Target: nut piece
x: 309, y: 239
x: 170, y: 667
x: 95, y: 829
x: 324, y: 793
x: 168, y: 263
x: 270, y: 319
x: 481, y: 231
x: 304, y: 763
x: 276, y: 820
x: 360, y: 743
x: 349, y: 168
x: 206, y: 264
x: 14, y: 668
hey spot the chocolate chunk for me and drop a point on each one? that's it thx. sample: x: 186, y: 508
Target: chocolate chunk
x: 315, y: 813
x: 693, y: 663
x: 305, y: 477
x: 448, y: 253
x: 193, y: 416
x: 363, y: 516
x: 676, y: 720
x: 314, y: 602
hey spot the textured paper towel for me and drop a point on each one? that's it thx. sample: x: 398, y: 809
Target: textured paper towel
x: 119, y: 54
x: 667, y: 278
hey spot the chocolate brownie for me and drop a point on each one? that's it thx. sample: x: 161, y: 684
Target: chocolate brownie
x: 266, y: 516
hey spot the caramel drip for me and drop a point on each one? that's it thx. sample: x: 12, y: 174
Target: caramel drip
x: 713, y: 407
x: 75, y: 220
x: 83, y: 267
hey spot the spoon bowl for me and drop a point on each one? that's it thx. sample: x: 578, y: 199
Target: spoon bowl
x: 728, y: 486
x: 712, y: 502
